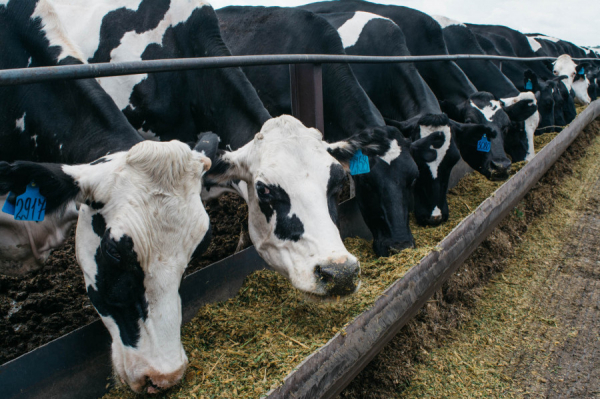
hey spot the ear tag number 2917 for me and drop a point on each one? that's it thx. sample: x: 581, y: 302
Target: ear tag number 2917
x: 484, y: 144
x: 359, y: 164
x: 30, y: 205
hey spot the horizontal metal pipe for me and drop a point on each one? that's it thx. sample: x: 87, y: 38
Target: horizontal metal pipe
x: 46, y: 74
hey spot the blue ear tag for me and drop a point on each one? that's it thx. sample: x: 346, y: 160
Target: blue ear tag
x: 359, y: 164
x: 529, y: 85
x: 30, y: 205
x: 582, y: 71
x: 484, y: 144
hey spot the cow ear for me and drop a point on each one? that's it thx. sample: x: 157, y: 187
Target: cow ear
x: 530, y: 81
x: 521, y: 110
x: 371, y: 141
x: 451, y: 110
x: 422, y: 148
x: 57, y: 186
x: 227, y: 166
x: 208, y: 145
x: 407, y: 128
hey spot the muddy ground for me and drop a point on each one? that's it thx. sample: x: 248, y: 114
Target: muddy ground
x: 393, y: 371
x: 49, y: 303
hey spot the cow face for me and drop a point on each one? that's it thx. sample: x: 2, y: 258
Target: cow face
x: 435, y: 153
x: 383, y: 195
x: 525, y: 118
x: 293, y: 177
x: 140, y: 220
x: 484, y: 110
x: 565, y: 66
x: 544, y: 95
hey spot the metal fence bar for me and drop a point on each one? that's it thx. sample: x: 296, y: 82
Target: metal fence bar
x: 83, y: 71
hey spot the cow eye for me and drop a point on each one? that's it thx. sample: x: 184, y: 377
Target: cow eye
x: 264, y: 193
x: 109, y: 247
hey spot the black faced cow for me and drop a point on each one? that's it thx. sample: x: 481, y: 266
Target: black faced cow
x: 458, y: 97
x: 383, y: 193
x: 406, y: 102
x: 299, y: 242
x: 72, y: 142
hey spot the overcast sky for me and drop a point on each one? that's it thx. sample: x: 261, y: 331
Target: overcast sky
x: 577, y: 21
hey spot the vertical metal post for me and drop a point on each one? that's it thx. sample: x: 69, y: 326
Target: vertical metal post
x: 306, y: 82
x: 500, y: 66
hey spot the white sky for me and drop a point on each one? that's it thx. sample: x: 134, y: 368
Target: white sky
x: 577, y: 21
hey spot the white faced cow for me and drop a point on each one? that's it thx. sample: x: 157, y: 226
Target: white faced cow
x: 565, y: 66
x: 141, y: 217
x: 293, y: 177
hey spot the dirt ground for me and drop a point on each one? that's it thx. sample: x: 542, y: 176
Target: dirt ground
x: 530, y: 331
x: 49, y: 303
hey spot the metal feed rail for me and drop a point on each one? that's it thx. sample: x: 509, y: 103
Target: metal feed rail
x: 46, y: 74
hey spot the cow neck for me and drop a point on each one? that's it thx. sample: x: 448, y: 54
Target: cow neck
x: 409, y: 96
x: 70, y: 121
x: 484, y: 74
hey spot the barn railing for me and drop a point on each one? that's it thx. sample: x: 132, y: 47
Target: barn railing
x: 46, y: 74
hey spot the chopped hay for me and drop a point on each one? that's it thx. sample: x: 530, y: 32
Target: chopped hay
x: 245, y: 346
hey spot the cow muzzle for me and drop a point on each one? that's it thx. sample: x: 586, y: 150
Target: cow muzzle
x: 338, y: 278
x: 499, y: 169
x: 153, y: 381
x: 391, y: 247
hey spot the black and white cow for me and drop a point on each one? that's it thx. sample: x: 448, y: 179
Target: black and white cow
x: 299, y: 242
x: 458, y: 97
x: 520, y: 46
x: 487, y: 77
x: 405, y: 101
x: 516, y: 73
x: 140, y: 218
x: 383, y: 192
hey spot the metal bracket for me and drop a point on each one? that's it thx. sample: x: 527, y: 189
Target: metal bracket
x: 306, y: 84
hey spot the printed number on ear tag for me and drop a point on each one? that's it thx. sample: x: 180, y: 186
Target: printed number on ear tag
x: 484, y: 144
x: 359, y: 164
x: 30, y: 205
x: 529, y: 85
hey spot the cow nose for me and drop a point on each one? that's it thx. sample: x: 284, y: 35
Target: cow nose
x: 397, y: 247
x: 156, y: 382
x: 339, y: 279
x: 435, y: 220
x: 499, y: 169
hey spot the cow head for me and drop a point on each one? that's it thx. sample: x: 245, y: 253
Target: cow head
x: 482, y: 114
x: 383, y: 195
x: 140, y: 221
x: 525, y: 118
x: 293, y: 178
x: 435, y: 153
x: 544, y: 95
x: 575, y: 77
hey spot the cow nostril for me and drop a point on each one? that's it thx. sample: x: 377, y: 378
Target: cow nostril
x: 324, y: 274
x: 151, y: 388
